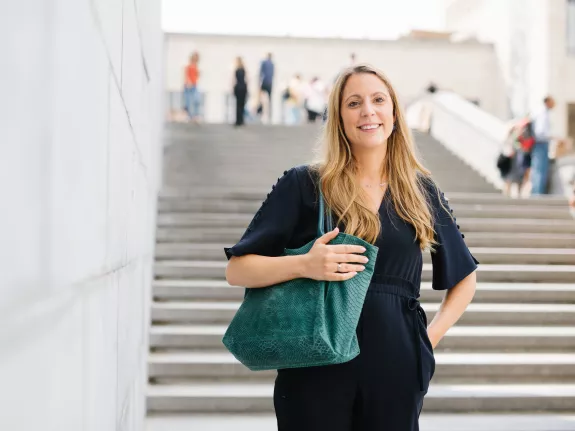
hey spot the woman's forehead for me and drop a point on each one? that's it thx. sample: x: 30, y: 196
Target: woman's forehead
x: 364, y: 84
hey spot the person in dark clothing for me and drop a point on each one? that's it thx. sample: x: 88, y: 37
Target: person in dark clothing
x: 240, y: 91
x: 431, y: 88
x: 377, y: 190
x: 267, y: 70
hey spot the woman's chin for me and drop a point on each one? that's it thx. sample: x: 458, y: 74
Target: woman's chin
x: 369, y: 142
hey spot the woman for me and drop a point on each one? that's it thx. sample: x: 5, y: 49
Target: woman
x: 519, y: 164
x: 377, y: 190
x: 292, y: 97
x: 240, y: 91
x: 191, y: 93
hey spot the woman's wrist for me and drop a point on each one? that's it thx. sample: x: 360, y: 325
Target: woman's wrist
x: 300, y: 266
x: 434, y: 336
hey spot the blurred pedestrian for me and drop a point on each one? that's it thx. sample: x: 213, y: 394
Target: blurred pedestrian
x: 572, y: 197
x: 240, y: 91
x: 540, y: 152
x: 514, y: 160
x: 352, y: 59
x: 267, y: 70
x: 191, y: 93
x: 316, y: 99
x: 293, y: 98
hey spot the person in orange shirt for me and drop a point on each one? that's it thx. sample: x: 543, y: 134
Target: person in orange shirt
x: 191, y: 94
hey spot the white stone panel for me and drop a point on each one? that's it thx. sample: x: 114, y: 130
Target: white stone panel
x: 133, y: 78
x: 65, y: 364
x: 25, y: 51
x: 108, y: 14
x: 78, y: 232
x: 79, y: 151
x: 120, y: 166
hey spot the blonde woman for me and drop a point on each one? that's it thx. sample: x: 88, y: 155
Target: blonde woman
x: 377, y: 190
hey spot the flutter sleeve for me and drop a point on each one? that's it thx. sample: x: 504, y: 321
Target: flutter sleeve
x: 451, y: 259
x: 273, y: 224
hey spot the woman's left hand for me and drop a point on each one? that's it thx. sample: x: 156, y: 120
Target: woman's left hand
x: 433, y: 338
x: 452, y: 307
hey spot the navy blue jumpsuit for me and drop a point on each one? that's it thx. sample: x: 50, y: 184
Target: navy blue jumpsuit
x: 382, y: 389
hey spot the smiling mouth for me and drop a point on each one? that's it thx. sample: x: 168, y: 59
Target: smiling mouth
x: 369, y: 127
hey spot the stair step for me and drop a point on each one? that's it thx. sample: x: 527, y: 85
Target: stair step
x: 458, y: 338
x: 485, y: 255
x: 238, y: 206
x: 512, y: 273
x: 472, y: 239
x: 476, y: 314
x: 211, y: 290
x: 450, y: 367
x: 519, y: 240
x: 257, y: 397
x: 240, y: 222
x: 180, y: 176
x: 526, y: 248
x: 427, y: 422
x: 259, y: 193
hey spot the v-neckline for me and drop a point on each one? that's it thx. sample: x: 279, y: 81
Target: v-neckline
x: 382, y: 201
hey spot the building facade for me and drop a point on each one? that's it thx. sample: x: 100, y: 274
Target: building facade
x: 535, y: 44
x: 412, y: 63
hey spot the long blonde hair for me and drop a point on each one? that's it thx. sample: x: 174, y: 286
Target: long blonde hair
x: 338, y: 168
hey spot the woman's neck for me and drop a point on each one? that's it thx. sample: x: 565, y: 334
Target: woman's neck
x: 370, y: 165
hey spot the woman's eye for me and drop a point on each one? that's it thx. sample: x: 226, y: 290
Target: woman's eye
x: 379, y: 99
x: 353, y: 104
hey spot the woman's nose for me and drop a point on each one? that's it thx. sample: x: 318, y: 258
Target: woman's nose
x: 367, y: 109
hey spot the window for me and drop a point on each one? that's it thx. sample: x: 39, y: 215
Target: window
x: 571, y: 27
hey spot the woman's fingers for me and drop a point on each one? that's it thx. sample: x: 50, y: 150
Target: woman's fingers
x: 340, y: 276
x: 327, y: 237
x: 346, y: 267
x: 351, y: 258
x: 346, y: 249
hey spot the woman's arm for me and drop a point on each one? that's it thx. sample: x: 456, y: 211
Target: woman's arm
x: 320, y: 263
x: 253, y: 270
x: 452, y: 308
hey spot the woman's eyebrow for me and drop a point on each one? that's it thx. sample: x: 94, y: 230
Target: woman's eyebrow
x: 374, y: 94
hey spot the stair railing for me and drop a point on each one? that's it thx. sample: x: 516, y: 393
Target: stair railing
x: 465, y: 129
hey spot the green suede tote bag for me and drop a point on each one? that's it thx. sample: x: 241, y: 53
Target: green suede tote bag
x: 302, y: 322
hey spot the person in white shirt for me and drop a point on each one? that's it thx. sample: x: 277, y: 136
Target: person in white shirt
x: 316, y: 99
x: 540, y: 151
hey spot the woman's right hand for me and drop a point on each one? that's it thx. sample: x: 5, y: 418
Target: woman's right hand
x: 321, y: 262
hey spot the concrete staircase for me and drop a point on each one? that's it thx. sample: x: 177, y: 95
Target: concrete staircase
x: 513, y: 351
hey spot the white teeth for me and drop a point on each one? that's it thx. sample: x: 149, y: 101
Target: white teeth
x: 369, y: 127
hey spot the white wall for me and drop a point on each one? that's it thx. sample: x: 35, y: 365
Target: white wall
x: 562, y: 71
x: 470, y: 69
x: 530, y: 40
x: 79, y: 174
x: 489, y: 21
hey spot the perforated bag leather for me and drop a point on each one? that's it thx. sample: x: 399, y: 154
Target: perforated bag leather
x: 302, y: 322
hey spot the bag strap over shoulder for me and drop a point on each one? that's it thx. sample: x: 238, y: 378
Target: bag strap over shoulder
x: 321, y: 217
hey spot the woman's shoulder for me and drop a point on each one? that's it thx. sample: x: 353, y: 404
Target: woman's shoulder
x: 307, y: 173
x: 432, y: 191
x: 303, y: 179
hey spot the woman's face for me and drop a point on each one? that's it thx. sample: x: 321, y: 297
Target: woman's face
x: 366, y: 110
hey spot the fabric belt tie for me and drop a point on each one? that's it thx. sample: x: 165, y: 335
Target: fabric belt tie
x: 416, y: 309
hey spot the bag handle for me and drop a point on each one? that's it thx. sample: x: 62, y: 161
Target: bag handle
x: 320, y: 222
